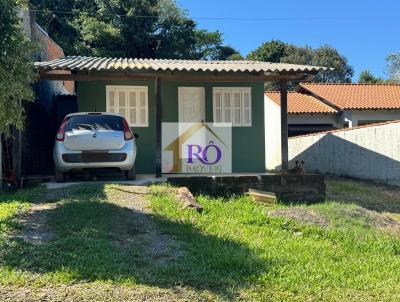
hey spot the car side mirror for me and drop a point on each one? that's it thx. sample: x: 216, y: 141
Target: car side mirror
x: 135, y: 135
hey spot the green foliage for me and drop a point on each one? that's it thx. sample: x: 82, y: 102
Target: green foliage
x: 279, y: 52
x: 328, y: 56
x: 393, y: 67
x: 236, y: 57
x: 227, y: 53
x: 16, y: 67
x: 272, y: 51
x: 127, y: 28
x: 366, y: 77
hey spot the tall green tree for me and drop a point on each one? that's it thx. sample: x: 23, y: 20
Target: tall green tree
x: 393, y: 67
x: 366, y: 77
x: 279, y: 52
x: 272, y: 51
x: 226, y: 52
x: 126, y: 28
x: 328, y: 56
x: 178, y: 36
x: 16, y: 67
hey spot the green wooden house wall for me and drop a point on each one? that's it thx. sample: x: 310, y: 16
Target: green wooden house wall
x: 248, y: 145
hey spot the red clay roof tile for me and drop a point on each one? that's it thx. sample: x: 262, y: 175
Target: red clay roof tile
x: 357, y: 96
x: 301, y: 103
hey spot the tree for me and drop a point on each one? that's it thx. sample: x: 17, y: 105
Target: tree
x: 226, y: 52
x: 126, y: 28
x: 393, y: 67
x: 297, y: 55
x: 366, y: 77
x: 17, y: 72
x: 328, y: 56
x: 272, y: 51
x: 279, y: 52
x: 236, y: 57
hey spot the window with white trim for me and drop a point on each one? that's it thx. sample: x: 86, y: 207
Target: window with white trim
x: 130, y: 101
x: 232, y: 105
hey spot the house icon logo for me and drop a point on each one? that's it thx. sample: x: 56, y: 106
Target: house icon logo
x: 191, y: 155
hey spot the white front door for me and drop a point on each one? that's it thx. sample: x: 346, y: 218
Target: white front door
x: 191, y: 102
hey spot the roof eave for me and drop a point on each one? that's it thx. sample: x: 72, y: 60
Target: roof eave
x: 87, y: 75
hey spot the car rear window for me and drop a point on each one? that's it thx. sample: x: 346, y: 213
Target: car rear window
x: 98, y: 122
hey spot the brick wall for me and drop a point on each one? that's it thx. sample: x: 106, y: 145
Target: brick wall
x: 288, y: 188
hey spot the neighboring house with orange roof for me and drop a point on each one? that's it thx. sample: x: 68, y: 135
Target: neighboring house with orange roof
x: 360, y: 104
x: 306, y: 113
x: 318, y: 107
x: 321, y: 107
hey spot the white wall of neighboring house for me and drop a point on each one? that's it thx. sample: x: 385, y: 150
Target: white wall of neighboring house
x: 368, y: 152
x: 314, y: 119
x: 272, y: 124
x: 357, y: 116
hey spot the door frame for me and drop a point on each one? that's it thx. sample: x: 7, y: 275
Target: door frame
x: 200, y: 90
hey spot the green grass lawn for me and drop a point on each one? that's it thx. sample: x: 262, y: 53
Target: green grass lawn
x: 108, y: 243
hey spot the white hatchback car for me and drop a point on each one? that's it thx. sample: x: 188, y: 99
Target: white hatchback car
x: 94, y: 140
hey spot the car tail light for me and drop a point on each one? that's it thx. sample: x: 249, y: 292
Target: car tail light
x: 61, y: 131
x: 128, y: 135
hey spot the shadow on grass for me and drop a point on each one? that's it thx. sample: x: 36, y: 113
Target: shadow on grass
x: 369, y: 195
x: 97, y: 240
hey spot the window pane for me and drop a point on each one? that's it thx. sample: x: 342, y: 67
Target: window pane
x: 122, y: 111
x: 218, y: 115
x: 236, y: 99
x: 227, y: 115
x: 142, y: 116
x: 227, y: 100
x: 218, y: 99
x: 246, y: 99
x: 236, y: 119
x: 121, y: 96
x: 132, y: 99
x: 132, y: 114
x: 142, y: 99
x: 111, y: 97
x: 99, y: 122
x: 246, y: 116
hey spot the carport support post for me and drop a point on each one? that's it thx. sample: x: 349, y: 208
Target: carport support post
x: 158, y: 127
x: 284, y: 125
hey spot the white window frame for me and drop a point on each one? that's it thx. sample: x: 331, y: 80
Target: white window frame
x: 231, y: 91
x: 127, y: 89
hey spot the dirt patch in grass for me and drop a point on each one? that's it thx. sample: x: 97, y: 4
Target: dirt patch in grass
x: 301, y: 215
x: 369, y: 195
x: 328, y: 217
x: 88, y: 292
x: 35, y: 229
x: 382, y: 221
x: 139, y: 230
x: 34, y: 223
x: 162, y: 248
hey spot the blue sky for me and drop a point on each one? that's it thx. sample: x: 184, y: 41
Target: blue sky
x: 365, y: 31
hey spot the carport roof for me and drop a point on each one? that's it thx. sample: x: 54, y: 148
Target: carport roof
x: 78, y: 63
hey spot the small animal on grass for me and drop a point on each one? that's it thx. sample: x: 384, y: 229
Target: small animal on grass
x: 298, y: 169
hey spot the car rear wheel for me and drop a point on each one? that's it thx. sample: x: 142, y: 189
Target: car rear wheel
x: 131, y: 174
x: 59, y: 176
